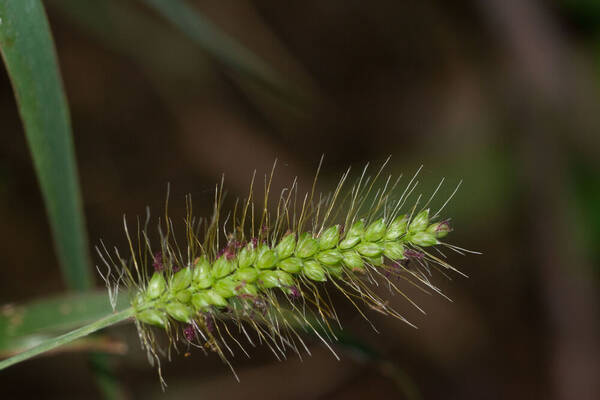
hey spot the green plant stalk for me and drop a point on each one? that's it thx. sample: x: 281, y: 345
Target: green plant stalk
x: 28, y: 51
x: 67, y: 337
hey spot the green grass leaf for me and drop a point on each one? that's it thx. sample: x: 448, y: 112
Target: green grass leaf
x: 28, y: 51
x: 67, y: 338
x: 219, y: 44
x: 22, y: 326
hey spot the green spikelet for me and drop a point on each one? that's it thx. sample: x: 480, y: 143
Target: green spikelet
x: 271, y: 268
x: 270, y: 265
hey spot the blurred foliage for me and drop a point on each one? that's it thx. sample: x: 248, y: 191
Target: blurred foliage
x: 585, y: 182
x: 583, y: 14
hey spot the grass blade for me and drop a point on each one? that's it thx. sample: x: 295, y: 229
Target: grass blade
x: 21, y: 326
x: 218, y: 44
x: 28, y: 51
x: 66, y: 338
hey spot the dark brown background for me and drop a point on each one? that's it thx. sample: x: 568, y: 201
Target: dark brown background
x: 501, y: 94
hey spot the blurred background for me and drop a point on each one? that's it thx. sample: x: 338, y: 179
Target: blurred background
x: 502, y: 94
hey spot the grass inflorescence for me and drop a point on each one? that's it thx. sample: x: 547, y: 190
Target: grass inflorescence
x: 262, y: 277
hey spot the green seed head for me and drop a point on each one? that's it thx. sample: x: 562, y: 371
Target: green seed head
x: 245, y: 282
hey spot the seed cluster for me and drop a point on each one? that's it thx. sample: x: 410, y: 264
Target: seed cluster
x: 247, y: 271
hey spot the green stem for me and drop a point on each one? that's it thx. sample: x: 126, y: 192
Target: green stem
x: 50, y: 344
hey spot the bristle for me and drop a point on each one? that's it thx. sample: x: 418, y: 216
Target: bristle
x: 268, y: 276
